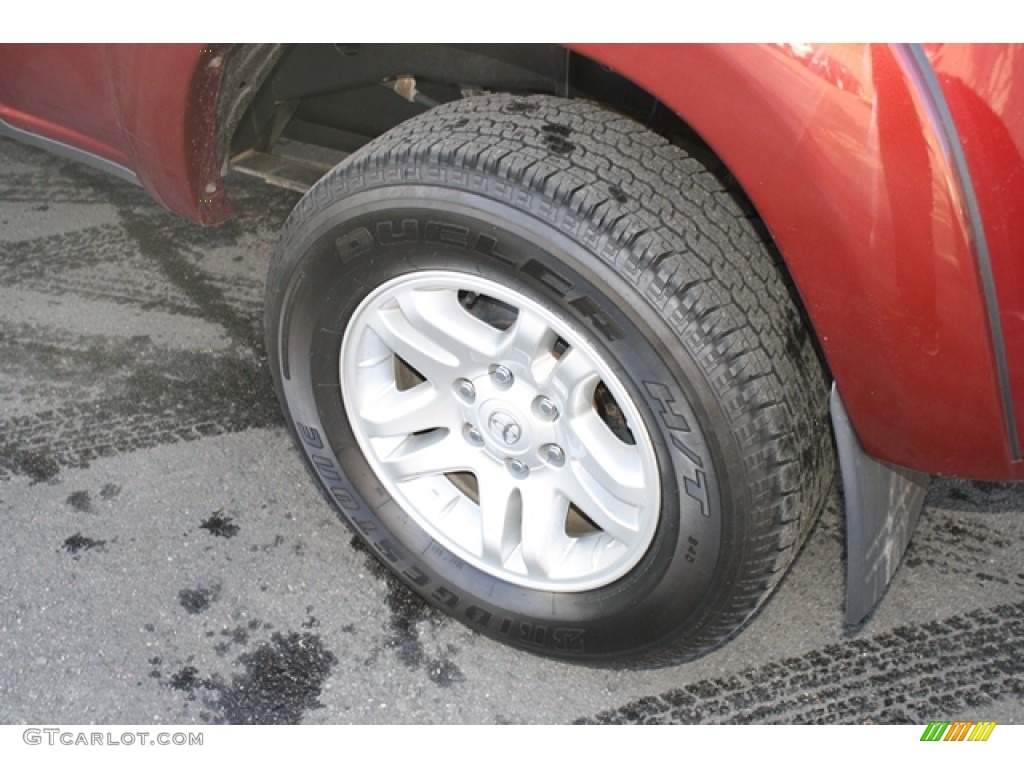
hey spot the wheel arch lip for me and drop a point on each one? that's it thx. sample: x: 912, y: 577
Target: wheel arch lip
x: 165, y: 97
x: 146, y: 112
x: 840, y: 150
x: 916, y: 64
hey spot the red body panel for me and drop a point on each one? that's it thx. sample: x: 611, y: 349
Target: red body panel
x: 984, y: 87
x: 150, y: 108
x: 837, y: 147
x: 61, y: 92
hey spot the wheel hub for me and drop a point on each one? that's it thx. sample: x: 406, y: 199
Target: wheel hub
x: 508, y: 423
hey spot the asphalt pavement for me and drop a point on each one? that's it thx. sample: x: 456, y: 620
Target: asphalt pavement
x: 165, y: 557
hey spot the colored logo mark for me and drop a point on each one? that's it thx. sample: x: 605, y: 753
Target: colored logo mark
x: 958, y: 730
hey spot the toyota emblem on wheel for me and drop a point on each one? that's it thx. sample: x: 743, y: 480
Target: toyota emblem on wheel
x: 505, y: 428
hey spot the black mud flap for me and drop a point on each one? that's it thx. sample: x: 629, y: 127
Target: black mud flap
x: 883, y: 503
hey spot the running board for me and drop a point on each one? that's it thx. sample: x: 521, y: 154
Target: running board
x: 288, y: 172
x: 883, y: 503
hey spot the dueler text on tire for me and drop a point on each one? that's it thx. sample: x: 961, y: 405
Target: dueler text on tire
x: 544, y: 365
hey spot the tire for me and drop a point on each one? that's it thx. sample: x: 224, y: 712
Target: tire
x: 544, y: 365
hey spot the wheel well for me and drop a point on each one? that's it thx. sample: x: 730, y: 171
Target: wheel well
x: 288, y: 113
x: 340, y: 96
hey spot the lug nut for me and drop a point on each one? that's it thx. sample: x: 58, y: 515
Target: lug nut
x: 545, y: 408
x: 466, y: 390
x: 472, y: 435
x: 517, y: 469
x: 553, y: 455
x: 503, y: 377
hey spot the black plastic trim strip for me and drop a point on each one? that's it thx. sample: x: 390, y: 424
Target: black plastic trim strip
x: 68, y: 151
x: 950, y: 139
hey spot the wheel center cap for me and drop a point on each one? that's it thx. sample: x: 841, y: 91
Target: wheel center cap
x: 504, y: 428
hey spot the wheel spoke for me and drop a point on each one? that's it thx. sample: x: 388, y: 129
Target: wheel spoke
x: 431, y: 331
x: 615, y: 517
x: 433, y: 453
x: 438, y: 315
x: 501, y: 508
x: 429, y: 357
x: 545, y: 542
x: 530, y: 341
x: 575, y: 378
x: 405, y: 412
x: 611, y: 465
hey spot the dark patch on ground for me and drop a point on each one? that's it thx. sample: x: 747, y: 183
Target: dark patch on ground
x: 199, y: 599
x: 74, y: 367
x: 219, y: 525
x: 76, y: 543
x: 110, y: 491
x: 963, y: 546
x: 281, y: 682
x: 444, y: 673
x: 407, y: 611
x: 986, y: 486
x: 238, y: 635
x: 79, y: 501
x: 972, y: 495
x: 182, y: 397
x: 123, y: 395
x: 312, y: 621
x: 186, y: 679
x: 912, y: 674
x: 154, y: 241
x: 277, y: 542
x: 40, y: 260
x: 38, y: 466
